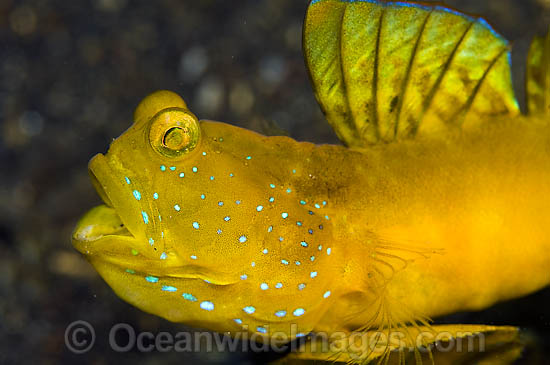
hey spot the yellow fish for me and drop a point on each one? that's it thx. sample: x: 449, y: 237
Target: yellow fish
x: 439, y: 202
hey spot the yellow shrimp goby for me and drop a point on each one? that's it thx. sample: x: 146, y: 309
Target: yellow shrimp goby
x: 439, y: 204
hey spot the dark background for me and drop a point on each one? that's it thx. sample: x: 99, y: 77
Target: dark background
x: 71, y: 74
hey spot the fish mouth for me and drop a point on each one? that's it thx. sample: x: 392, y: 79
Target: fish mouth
x: 96, y: 229
x: 98, y: 186
x: 110, y: 239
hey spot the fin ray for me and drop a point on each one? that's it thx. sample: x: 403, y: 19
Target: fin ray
x: 406, y: 81
x: 538, y: 76
x: 405, y: 69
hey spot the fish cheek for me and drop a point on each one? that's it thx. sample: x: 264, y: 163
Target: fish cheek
x: 152, y: 294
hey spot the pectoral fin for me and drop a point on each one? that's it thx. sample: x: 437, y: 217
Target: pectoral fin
x: 448, y: 344
x: 383, y: 71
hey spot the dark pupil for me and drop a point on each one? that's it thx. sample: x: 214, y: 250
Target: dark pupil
x: 175, y: 138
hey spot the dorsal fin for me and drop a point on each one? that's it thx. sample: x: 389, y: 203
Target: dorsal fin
x: 538, y: 76
x: 383, y: 71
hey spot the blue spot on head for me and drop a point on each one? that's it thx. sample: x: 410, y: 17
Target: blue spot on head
x: 220, y: 203
x: 207, y: 306
x: 304, y: 244
x: 301, y: 286
x: 264, y: 286
x: 194, y: 169
x: 249, y: 309
x: 285, y: 262
x: 242, y: 239
x: 259, y: 208
x: 151, y: 279
x: 238, y: 321
x: 182, y: 174
x: 219, y: 231
x: 248, y: 157
x: 265, y: 251
x: 279, y: 285
x: 271, y: 199
x: 237, y: 202
x: 317, y: 206
x: 177, y: 208
x: 289, y: 190
x: 327, y: 294
x: 280, y: 314
x: 169, y: 288
x: 261, y: 329
x: 244, y: 277
x: 284, y: 215
x: 310, y: 231
x: 127, y: 180
x: 193, y: 257
x: 302, y: 202
x: 145, y: 217
x: 313, y: 274
x: 272, y: 186
x: 298, y: 263
x: 329, y: 250
x: 173, y: 168
x: 299, y: 224
x: 155, y: 196
x: 227, y: 218
x: 203, y: 196
x: 270, y: 228
x: 196, y: 225
x: 211, y: 177
x: 162, y: 168
x: 298, y: 312
x: 189, y: 297
x: 137, y: 195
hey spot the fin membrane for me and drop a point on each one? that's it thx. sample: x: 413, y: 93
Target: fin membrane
x: 383, y: 71
x: 538, y: 76
x: 440, y: 344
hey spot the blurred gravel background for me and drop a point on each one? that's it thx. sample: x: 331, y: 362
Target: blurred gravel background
x: 71, y: 74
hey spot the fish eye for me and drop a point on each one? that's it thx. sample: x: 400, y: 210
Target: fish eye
x: 174, y: 132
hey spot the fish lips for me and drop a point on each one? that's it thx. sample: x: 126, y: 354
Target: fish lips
x: 101, y: 221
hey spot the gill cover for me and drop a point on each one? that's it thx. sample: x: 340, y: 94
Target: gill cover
x: 383, y: 71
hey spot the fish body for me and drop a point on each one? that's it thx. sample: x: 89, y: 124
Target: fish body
x: 429, y: 209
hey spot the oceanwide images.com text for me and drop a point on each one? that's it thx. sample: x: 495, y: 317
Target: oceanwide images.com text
x: 80, y: 338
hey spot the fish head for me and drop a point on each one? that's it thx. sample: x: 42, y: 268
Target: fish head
x: 191, y: 202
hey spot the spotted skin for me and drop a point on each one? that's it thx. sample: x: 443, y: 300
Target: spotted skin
x: 249, y: 234
x: 222, y: 228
